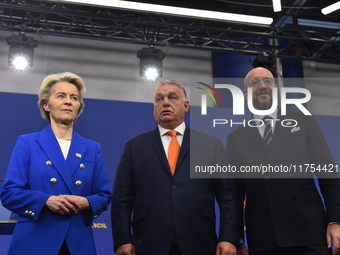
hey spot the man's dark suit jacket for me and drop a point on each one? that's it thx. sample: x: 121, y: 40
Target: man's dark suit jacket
x: 163, y: 204
x: 285, y: 211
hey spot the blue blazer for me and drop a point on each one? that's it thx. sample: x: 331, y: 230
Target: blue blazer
x: 162, y: 204
x: 37, y: 170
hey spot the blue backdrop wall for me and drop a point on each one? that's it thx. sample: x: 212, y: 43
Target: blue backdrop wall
x: 111, y: 123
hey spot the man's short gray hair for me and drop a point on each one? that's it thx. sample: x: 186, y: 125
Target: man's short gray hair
x: 172, y: 82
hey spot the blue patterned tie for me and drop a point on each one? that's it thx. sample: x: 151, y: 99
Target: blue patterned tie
x: 268, y: 131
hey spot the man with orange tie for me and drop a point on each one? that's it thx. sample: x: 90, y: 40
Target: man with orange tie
x: 172, y: 214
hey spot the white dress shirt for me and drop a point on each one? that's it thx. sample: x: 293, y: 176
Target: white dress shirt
x: 166, y: 139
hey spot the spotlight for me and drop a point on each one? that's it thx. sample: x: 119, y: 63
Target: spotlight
x: 20, y: 55
x: 150, y: 63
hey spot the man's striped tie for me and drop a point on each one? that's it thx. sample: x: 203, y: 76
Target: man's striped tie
x: 268, y: 131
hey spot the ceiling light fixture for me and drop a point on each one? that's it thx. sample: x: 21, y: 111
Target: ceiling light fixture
x: 186, y: 12
x: 20, y: 55
x: 277, y: 5
x: 151, y: 66
x: 331, y: 8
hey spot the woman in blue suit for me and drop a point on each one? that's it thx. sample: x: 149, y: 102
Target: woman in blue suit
x: 56, y: 180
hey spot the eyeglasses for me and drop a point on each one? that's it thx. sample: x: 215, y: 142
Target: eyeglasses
x: 256, y: 82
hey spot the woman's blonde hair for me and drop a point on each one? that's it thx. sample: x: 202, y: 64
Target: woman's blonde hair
x: 45, y: 90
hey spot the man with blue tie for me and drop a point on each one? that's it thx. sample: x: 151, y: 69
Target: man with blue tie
x: 284, y: 213
x: 172, y: 214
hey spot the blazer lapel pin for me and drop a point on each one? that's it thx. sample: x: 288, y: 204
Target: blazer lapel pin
x: 78, y: 155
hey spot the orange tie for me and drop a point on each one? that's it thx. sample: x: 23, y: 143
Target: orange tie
x: 173, y: 151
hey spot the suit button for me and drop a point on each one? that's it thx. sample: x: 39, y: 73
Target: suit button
x: 27, y: 212
x: 53, y: 180
x: 49, y: 163
x: 296, y: 197
x: 82, y: 166
x: 78, y: 183
x: 173, y: 187
x: 95, y: 217
x: 32, y: 214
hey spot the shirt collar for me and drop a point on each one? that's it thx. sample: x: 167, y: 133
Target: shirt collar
x: 180, y: 129
x: 273, y: 115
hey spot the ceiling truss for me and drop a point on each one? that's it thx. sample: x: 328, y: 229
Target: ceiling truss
x: 55, y: 18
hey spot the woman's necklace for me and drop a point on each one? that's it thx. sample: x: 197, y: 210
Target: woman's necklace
x: 69, y: 139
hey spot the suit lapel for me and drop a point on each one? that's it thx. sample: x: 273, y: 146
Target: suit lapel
x: 50, y: 146
x: 251, y: 136
x: 281, y: 135
x: 76, y: 153
x: 188, y: 139
x: 157, y: 145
